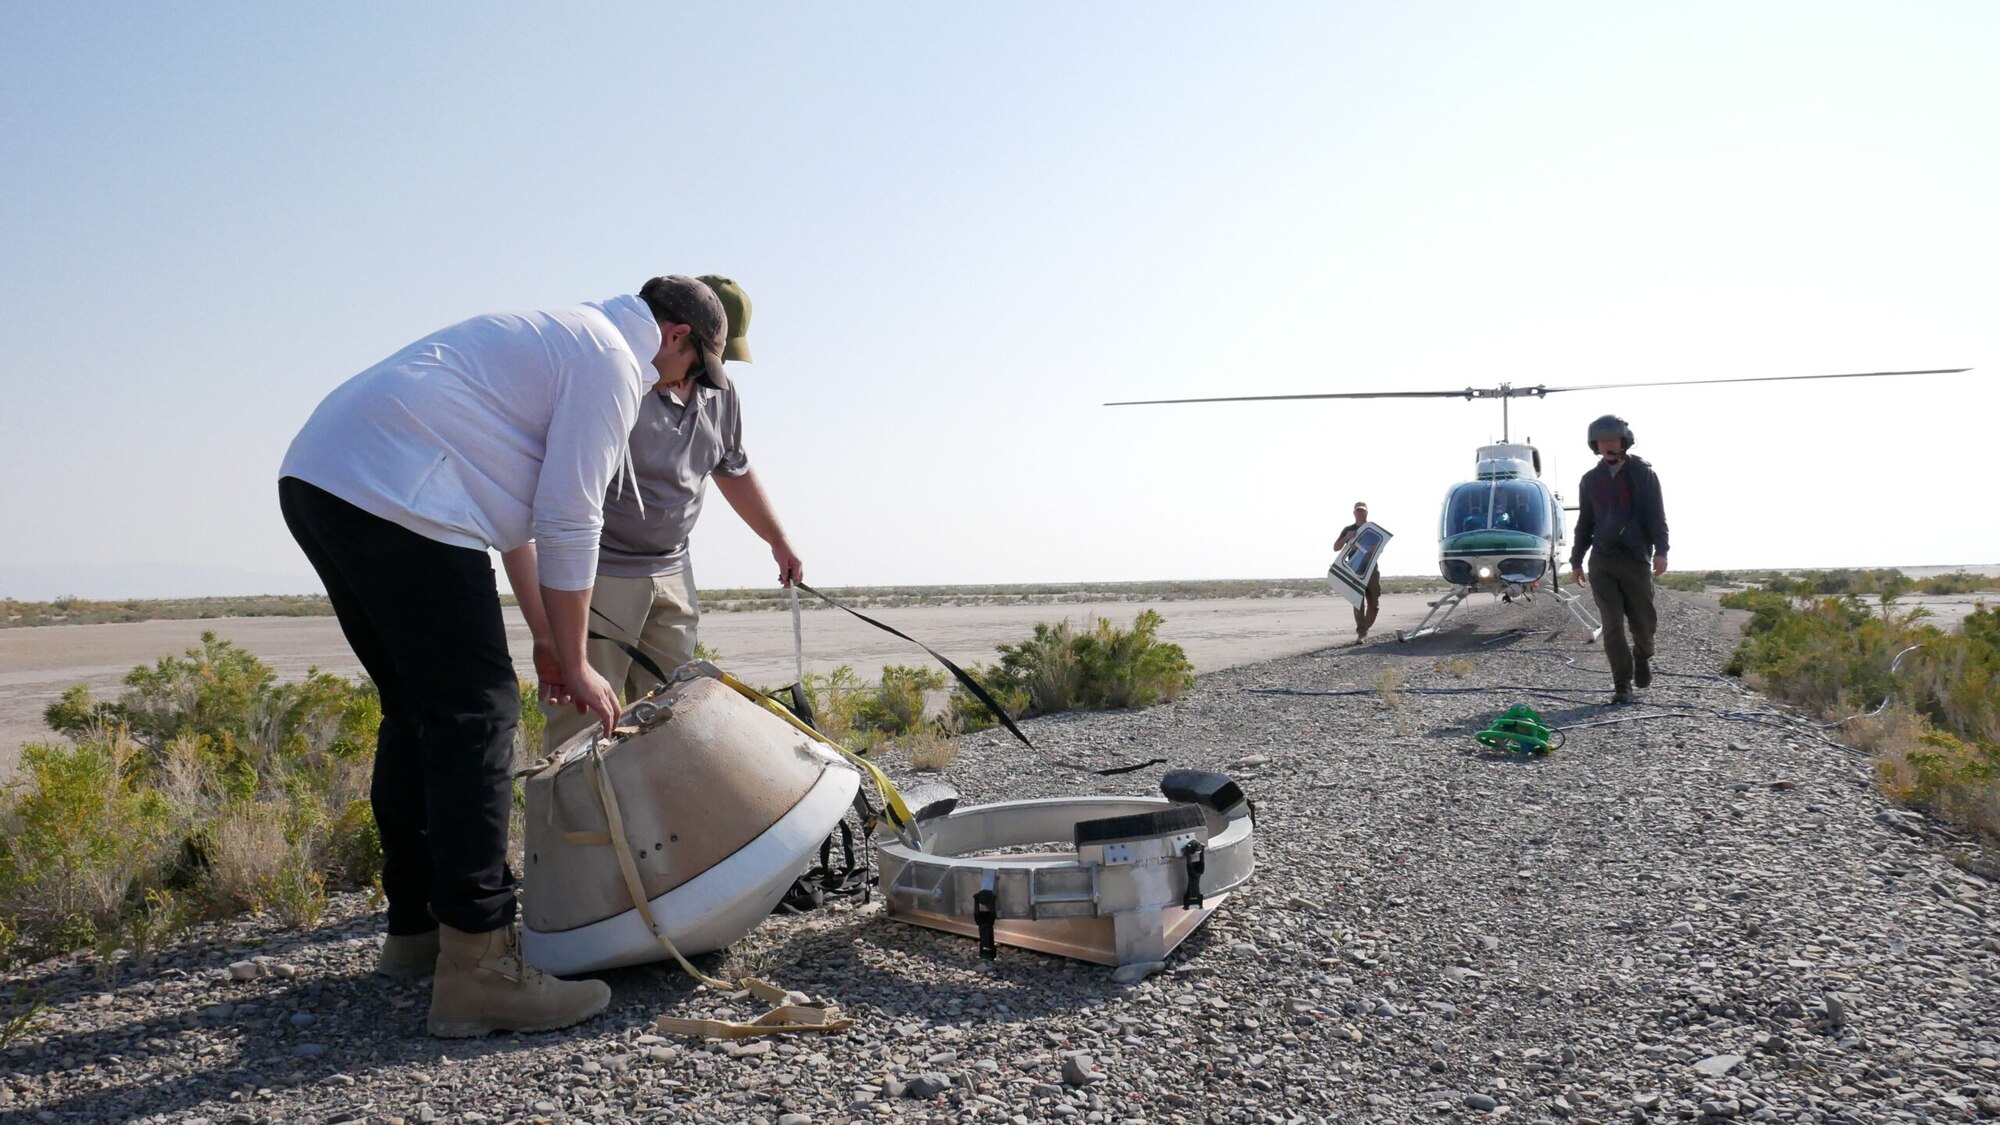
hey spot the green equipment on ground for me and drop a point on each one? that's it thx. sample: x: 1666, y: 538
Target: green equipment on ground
x: 1522, y: 731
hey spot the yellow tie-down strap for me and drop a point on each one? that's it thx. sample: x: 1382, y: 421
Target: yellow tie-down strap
x: 892, y: 799
x: 789, y: 1012
x: 785, y: 1016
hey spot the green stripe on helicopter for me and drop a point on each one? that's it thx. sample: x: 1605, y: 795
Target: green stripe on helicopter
x: 1495, y: 542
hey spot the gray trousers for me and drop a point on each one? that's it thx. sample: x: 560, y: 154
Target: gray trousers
x: 1622, y: 586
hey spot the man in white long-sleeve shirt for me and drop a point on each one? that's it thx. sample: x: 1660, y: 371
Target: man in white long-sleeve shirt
x: 501, y: 432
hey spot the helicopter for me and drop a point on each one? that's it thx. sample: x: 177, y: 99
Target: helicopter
x: 1501, y: 532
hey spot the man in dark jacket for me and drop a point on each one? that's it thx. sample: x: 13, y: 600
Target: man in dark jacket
x: 1622, y: 522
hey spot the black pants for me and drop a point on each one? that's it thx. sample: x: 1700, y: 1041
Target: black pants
x: 424, y: 618
x: 1622, y: 586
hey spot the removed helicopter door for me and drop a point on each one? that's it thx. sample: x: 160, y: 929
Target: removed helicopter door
x: 1356, y: 562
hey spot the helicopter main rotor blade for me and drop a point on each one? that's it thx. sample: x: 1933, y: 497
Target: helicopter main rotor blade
x: 1508, y: 390
x: 1754, y: 379
x: 1467, y: 393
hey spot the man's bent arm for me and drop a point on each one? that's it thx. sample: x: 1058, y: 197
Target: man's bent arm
x: 523, y: 574
x: 569, y: 620
x: 747, y: 497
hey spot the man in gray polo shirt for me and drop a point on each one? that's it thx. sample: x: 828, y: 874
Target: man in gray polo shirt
x: 687, y: 432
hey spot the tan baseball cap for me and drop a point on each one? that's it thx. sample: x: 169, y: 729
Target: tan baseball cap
x: 735, y: 303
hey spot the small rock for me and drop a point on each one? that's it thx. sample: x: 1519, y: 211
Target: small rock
x: 245, y: 970
x: 794, y: 1119
x: 310, y: 1050
x: 1836, y: 1009
x: 1481, y: 1102
x: 1080, y: 1070
x: 1715, y: 1066
x: 750, y: 1050
x: 302, y: 1019
x: 927, y: 1086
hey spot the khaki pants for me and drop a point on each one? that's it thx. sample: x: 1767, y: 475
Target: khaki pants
x: 661, y: 612
x: 1364, y: 614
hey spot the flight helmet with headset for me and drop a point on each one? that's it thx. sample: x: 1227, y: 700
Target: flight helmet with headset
x: 1611, y: 425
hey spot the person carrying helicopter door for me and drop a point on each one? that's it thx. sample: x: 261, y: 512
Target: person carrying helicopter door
x: 1622, y: 522
x: 1364, y: 614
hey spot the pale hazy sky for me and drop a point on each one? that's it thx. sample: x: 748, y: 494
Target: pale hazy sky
x: 965, y: 227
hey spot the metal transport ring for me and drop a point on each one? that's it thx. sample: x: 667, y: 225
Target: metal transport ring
x: 1143, y: 872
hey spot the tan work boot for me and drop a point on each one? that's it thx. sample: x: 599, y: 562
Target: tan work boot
x: 482, y: 985
x: 408, y: 956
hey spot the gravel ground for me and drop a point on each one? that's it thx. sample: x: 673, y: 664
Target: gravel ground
x: 1682, y: 917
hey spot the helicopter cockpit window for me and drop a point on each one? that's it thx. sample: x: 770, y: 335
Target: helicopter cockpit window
x: 1519, y: 506
x: 1501, y: 505
x: 1467, y: 508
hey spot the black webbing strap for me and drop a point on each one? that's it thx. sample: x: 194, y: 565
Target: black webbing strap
x: 1114, y: 770
x: 631, y: 650
x: 971, y: 684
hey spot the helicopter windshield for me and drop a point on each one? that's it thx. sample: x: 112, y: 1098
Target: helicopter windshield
x: 1499, y: 505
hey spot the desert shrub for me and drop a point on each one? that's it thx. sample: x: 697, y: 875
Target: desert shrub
x: 19, y: 1016
x: 528, y: 732
x: 896, y: 706
x: 210, y: 690
x: 1957, y: 582
x: 1389, y: 688
x: 1686, y: 582
x: 1063, y: 668
x: 930, y: 749
x: 158, y: 917
x: 964, y: 713
x: 82, y: 611
x: 76, y: 714
x: 837, y: 701
x: 1937, y: 741
x: 868, y: 718
x: 206, y: 787
x: 84, y: 838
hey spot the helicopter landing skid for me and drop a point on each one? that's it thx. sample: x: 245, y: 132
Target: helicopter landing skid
x: 1443, y: 605
x: 1574, y: 604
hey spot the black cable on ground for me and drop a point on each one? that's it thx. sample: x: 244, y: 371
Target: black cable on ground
x: 1798, y: 727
